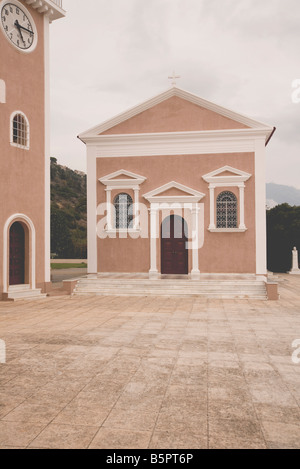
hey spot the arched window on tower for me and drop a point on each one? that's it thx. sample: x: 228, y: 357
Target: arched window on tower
x: 123, y: 211
x: 19, y: 130
x: 227, y: 210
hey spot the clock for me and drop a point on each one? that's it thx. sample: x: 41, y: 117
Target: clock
x: 18, y: 25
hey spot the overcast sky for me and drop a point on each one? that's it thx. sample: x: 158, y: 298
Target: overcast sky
x: 107, y: 56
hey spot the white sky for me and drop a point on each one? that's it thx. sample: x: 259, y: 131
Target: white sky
x: 107, y: 56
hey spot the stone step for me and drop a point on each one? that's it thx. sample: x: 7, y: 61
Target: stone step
x: 172, y: 286
x: 226, y: 288
x: 189, y: 287
x: 18, y: 288
x: 25, y: 294
x: 215, y: 295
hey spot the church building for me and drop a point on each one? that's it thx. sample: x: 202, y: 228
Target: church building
x: 176, y: 186
x: 25, y: 146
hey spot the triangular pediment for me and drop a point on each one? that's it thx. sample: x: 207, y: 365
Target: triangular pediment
x: 226, y: 174
x: 122, y: 177
x: 172, y: 192
x: 175, y: 110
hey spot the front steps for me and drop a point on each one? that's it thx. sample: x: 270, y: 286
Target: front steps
x: 23, y: 292
x: 231, y: 288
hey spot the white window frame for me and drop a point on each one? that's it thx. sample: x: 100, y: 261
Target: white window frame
x: 11, y: 131
x: 130, y: 181
x: 236, y: 179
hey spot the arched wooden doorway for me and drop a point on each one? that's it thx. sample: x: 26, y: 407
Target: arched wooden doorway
x: 174, y: 254
x: 17, y: 254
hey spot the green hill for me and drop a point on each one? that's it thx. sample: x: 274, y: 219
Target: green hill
x: 68, y: 213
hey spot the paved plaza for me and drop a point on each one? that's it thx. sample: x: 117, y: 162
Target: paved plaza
x: 122, y: 372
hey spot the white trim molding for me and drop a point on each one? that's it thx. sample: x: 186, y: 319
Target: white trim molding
x: 176, y: 143
x: 260, y: 208
x: 237, y: 178
x: 47, y: 251
x: 2, y: 92
x: 92, y: 250
x: 32, y: 248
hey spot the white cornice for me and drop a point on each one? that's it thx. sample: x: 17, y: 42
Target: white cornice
x: 176, y: 143
x: 174, y: 91
x: 51, y: 8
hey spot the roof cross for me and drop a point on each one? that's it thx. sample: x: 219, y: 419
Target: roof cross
x: 173, y: 78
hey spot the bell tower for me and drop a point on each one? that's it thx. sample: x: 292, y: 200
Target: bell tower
x: 25, y: 146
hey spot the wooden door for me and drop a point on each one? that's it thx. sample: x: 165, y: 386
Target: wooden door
x: 174, y: 255
x: 16, y: 254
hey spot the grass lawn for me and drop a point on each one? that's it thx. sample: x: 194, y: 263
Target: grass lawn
x: 83, y: 265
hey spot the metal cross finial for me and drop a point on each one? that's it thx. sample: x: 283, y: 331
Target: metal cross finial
x: 173, y: 78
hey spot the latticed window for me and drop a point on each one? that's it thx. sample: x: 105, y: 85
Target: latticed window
x: 123, y: 211
x: 226, y: 210
x: 20, y: 130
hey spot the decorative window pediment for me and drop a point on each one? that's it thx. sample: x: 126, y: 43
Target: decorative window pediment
x: 173, y: 192
x: 226, y: 176
x: 122, y: 179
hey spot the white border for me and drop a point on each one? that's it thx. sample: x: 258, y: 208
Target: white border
x: 32, y: 248
x: 22, y: 7
x: 260, y: 208
x: 2, y: 92
x: 47, y: 152
x: 11, y: 135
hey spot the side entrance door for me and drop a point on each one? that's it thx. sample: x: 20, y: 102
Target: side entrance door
x: 16, y: 254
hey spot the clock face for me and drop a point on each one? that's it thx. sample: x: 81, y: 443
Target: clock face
x: 18, y: 26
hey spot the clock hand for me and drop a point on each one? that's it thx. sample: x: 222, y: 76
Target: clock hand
x: 18, y: 26
x: 25, y: 29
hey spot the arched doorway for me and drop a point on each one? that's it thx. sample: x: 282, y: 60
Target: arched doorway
x: 174, y: 254
x: 16, y: 254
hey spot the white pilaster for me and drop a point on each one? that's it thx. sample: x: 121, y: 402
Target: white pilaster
x: 2, y: 92
x: 92, y: 210
x: 153, y: 272
x: 47, y: 248
x: 260, y: 207
x: 136, y: 208
x: 242, y: 207
x: 108, y: 209
x: 195, y: 273
x: 212, y: 224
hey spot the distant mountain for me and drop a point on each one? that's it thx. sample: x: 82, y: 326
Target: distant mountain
x: 280, y: 194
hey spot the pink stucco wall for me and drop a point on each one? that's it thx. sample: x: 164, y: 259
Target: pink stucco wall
x: 22, y: 176
x: 222, y: 252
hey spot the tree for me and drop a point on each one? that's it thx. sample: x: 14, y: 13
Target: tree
x: 283, y: 233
